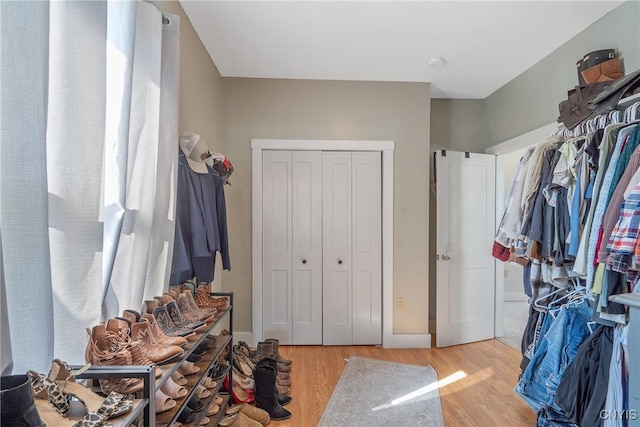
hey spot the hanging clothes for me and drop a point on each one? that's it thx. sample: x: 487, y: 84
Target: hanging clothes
x: 560, y: 343
x: 201, y: 225
x: 582, y: 392
x: 579, y: 212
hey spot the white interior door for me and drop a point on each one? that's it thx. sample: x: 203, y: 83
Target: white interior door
x: 337, y: 292
x: 307, y: 248
x: 465, y: 231
x: 366, y: 252
x: 277, y: 245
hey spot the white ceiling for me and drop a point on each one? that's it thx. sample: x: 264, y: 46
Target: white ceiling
x: 485, y: 43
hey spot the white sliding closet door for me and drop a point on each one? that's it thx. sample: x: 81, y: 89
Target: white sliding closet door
x: 366, y: 253
x: 352, y: 282
x: 277, y: 245
x: 307, y: 247
x: 292, y: 246
x: 322, y: 247
x: 336, y: 217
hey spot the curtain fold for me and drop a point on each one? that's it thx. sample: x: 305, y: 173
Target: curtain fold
x: 75, y: 157
x: 24, y: 218
x: 87, y: 170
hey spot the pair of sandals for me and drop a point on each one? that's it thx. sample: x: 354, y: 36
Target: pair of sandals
x: 52, y: 395
x: 188, y: 413
x: 218, y: 370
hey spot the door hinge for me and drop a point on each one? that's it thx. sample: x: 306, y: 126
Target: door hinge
x: 437, y: 257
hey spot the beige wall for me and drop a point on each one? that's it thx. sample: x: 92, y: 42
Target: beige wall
x: 200, y: 83
x: 304, y: 109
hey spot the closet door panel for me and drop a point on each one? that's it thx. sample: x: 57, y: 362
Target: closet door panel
x: 307, y: 247
x: 367, y: 247
x: 337, y: 273
x: 277, y: 245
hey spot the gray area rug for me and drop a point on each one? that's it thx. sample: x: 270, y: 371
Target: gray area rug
x: 374, y: 392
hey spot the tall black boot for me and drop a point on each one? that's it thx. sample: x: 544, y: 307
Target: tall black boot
x: 269, y: 361
x: 266, y: 393
x: 16, y: 402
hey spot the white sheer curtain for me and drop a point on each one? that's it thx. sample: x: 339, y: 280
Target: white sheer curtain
x: 87, y: 169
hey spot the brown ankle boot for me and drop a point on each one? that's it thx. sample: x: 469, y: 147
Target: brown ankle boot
x: 276, y: 351
x: 152, y: 348
x: 264, y: 349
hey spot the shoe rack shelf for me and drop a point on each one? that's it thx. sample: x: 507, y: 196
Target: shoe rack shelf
x: 145, y: 407
x: 77, y: 411
x: 141, y: 407
x: 168, y: 418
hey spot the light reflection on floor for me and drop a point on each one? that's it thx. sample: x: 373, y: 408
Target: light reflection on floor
x: 420, y: 394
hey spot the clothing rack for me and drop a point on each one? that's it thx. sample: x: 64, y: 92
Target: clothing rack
x: 566, y: 166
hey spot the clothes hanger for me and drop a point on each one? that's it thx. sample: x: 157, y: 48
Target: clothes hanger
x: 575, y: 296
x: 615, y: 116
x: 631, y: 113
x: 537, y: 301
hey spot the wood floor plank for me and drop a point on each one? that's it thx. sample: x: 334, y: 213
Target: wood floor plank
x: 484, y: 398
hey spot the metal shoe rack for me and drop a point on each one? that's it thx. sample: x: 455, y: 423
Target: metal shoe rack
x: 145, y: 407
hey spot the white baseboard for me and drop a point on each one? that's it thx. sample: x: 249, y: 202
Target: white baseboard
x: 398, y: 340
x: 515, y: 296
x: 411, y: 341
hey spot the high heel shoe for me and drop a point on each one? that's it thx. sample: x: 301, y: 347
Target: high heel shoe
x: 242, y: 362
x: 248, y: 351
x: 44, y: 391
x: 240, y: 395
x: 113, y: 406
x: 243, y: 381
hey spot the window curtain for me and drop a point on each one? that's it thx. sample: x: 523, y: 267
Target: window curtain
x: 89, y: 143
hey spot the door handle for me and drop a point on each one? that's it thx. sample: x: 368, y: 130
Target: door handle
x: 339, y: 261
x: 304, y: 261
x: 446, y: 257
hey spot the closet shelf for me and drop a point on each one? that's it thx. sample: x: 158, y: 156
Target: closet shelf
x: 632, y: 300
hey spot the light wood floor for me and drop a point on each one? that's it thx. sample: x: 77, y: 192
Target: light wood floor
x: 485, y: 398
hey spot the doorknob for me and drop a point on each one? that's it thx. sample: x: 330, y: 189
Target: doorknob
x: 304, y: 261
x: 339, y: 261
x: 446, y: 257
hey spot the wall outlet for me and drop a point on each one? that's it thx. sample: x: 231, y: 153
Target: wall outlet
x: 400, y: 303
